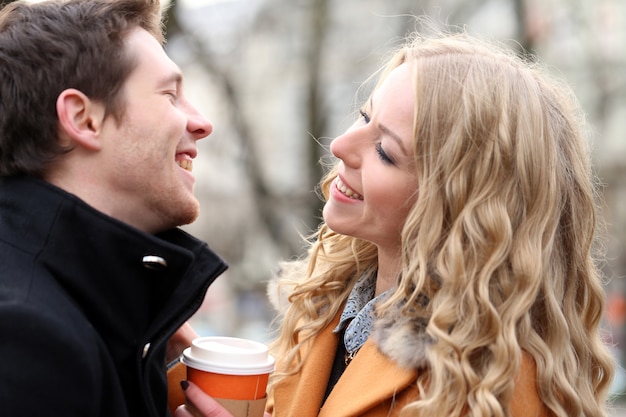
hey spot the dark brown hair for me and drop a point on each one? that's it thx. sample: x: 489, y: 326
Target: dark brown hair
x: 48, y: 47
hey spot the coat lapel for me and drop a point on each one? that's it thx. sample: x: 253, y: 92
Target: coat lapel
x: 361, y: 383
x: 308, y: 387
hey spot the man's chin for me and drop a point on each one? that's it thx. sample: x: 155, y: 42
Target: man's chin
x: 189, y: 217
x: 184, y: 215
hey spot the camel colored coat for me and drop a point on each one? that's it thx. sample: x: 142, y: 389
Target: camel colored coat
x: 373, y: 385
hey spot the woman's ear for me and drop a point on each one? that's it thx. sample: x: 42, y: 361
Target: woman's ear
x: 80, y: 119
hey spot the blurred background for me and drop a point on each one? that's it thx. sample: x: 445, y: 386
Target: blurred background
x: 279, y: 80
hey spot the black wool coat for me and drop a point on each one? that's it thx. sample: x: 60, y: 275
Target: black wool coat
x: 84, y: 314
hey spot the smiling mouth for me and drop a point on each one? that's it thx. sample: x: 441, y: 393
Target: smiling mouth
x: 185, y: 163
x: 348, y: 192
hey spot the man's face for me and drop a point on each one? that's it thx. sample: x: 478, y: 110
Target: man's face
x: 149, y: 153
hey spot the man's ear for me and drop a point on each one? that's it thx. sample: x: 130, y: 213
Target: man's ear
x: 80, y: 118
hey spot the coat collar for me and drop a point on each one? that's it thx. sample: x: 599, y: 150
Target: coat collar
x: 99, y: 262
x: 401, y: 338
x: 358, y: 383
x: 302, y: 394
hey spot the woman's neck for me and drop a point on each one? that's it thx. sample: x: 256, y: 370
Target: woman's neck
x: 389, y: 267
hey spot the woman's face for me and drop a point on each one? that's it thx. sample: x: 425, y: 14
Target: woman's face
x: 376, y: 184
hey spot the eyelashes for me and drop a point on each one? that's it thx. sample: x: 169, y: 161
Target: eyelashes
x: 379, y: 147
x: 383, y: 155
x: 365, y: 116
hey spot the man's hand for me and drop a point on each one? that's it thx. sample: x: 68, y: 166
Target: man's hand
x: 179, y: 342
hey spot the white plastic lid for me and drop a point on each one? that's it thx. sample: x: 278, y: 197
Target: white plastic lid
x: 228, y: 355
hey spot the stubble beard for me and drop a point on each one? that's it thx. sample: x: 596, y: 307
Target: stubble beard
x: 175, y: 213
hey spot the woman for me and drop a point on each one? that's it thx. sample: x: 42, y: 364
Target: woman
x: 454, y: 272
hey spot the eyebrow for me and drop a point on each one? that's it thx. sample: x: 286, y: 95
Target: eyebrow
x: 393, y: 136
x: 389, y: 132
x: 174, y: 77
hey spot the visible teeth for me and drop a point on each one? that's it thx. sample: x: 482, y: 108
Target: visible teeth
x: 186, y: 164
x: 347, y: 191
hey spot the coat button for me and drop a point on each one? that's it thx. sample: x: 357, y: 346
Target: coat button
x: 154, y: 262
x: 146, y: 349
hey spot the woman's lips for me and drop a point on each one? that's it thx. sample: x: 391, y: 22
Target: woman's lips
x: 347, y: 191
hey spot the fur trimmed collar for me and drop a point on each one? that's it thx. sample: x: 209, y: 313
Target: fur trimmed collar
x: 401, y: 338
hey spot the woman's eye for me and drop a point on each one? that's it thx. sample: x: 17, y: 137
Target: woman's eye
x: 383, y: 155
x: 365, y: 116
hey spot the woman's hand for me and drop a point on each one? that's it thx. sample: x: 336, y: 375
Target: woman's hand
x: 199, y: 404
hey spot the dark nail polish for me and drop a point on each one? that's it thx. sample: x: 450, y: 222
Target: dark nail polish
x: 184, y: 385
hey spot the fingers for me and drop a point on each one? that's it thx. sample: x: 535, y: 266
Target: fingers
x: 179, y: 341
x: 181, y: 411
x: 204, y: 405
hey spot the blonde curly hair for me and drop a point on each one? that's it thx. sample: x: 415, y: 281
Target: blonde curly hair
x: 502, y: 239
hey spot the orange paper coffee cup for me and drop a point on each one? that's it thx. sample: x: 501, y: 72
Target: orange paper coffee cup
x: 229, y: 367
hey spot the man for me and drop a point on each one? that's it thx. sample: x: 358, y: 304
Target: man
x: 97, y: 141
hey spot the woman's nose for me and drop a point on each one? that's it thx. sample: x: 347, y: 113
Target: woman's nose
x: 345, y: 147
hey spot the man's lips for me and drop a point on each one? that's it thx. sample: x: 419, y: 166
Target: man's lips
x: 185, y: 162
